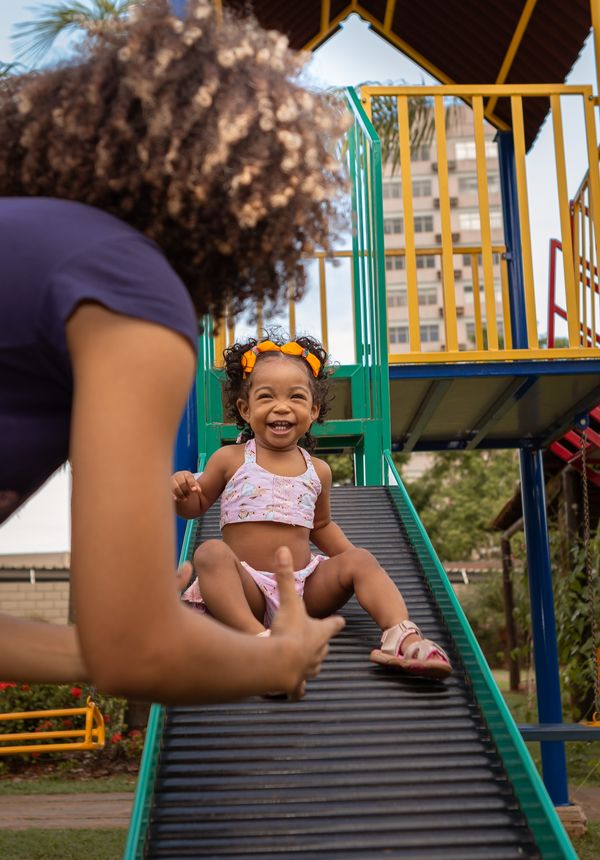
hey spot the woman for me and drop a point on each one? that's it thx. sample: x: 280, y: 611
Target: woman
x: 171, y: 170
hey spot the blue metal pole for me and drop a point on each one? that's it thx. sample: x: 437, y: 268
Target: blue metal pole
x: 554, y: 763
x: 186, y: 450
x: 512, y: 238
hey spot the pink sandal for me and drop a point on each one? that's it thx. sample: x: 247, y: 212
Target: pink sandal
x: 423, y: 658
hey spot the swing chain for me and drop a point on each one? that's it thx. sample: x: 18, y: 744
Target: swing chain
x: 589, y: 573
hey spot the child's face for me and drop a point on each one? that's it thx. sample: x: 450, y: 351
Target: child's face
x: 280, y: 406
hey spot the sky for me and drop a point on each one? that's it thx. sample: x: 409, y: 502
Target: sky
x: 354, y: 55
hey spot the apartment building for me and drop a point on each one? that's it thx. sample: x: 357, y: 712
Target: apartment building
x: 462, y: 177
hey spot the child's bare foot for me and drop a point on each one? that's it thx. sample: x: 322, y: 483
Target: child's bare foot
x: 403, y: 647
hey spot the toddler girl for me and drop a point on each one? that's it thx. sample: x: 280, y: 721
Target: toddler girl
x: 274, y: 493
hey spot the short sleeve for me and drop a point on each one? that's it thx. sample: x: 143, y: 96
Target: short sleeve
x: 128, y: 275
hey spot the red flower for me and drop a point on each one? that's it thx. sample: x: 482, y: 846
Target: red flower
x: 25, y: 687
x: 68, y: 724
x: 5, y: 685
x: 76, y: 692
x: 135, y: 733
x: 116, y: 737
x: 106, y: 719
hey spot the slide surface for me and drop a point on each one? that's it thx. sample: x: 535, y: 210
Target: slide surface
x: 370, y: 763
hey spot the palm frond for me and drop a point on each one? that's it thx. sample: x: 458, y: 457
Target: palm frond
x: 421, y: 121
x: 33, y: 39
x: 8, y: 69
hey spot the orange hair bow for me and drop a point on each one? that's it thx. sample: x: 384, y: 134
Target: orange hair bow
x: 291, y: 348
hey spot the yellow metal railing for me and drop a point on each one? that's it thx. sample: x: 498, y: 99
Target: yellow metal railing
x: 227, y: 333
x: 91, y: 734
x: 487, y: 311
x: 488, y: 345
x: 585, y: 266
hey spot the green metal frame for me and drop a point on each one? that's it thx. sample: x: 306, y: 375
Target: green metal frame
x: 368, y: 432
x: 542, y: 818
x: 364, y: 157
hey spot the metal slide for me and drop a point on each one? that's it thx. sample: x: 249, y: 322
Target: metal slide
x: 370, y: 764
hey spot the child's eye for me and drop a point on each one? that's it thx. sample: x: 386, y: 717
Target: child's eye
x: 263, y: 396
x: 298, y: 396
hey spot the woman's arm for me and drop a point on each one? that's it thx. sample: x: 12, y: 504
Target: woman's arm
x: 131, y: 379
x: 39, y: 653
x: 325, y: 534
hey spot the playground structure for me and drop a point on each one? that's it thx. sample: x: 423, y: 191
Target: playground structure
x: 214, y: 781
x: 371, y: 763
x: 89, y: 737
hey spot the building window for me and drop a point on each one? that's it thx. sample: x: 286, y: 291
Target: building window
x: 423, y: 223
x: 398, y: 334
x: 467, y: 259
x: 421, y: 188
x: 392, y: 190
x: 470, y: 330
x: 426, y: 261
x: 469, y: 220
x: 428, y: 296
x: 495, y: 219
x: 392, y: 225
x: 419, y: 153
x: 394, y: 263
x: 465, y: 149
x: 396, y: 299
x: 467, y: 183
x: 472, y: 220
x: 430, y: 333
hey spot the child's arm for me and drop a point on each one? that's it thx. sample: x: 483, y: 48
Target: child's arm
x: 325, y: 534
x: 194, y: 496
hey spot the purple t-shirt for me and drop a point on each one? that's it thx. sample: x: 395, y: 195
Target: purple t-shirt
x: 55, y: 254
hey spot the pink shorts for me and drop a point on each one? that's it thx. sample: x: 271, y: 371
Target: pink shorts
x: 266, y: 582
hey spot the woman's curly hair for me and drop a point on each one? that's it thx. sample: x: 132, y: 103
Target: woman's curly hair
x: 236, y: 387
x: 194, y: 132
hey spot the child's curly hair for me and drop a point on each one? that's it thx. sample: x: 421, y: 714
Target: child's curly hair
x: 194, y: 132
x: 236, y: 386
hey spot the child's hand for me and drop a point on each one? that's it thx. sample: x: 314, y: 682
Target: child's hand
x: 184, y: 485
x: 309, y: 637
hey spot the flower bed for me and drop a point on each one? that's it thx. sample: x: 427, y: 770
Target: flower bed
x: 123, y: 745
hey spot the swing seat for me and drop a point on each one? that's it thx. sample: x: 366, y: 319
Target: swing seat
x: 91, y: 735
x: 584, y: 731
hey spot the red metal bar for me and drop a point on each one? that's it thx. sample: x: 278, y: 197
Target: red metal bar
x: 553, y: 309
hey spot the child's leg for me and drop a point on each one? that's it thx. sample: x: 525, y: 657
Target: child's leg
x: 357, y: 571
x: 230, y: 593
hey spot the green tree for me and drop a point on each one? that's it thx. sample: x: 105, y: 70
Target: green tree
x: 34, y: 39
x: 459, y: 496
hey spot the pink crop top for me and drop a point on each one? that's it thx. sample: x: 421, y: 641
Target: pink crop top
x: 255, y: 495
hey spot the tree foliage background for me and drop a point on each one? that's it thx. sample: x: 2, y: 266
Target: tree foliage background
x: 459, y: 496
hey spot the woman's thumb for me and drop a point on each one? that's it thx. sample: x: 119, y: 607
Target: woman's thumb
x: 284, y: 573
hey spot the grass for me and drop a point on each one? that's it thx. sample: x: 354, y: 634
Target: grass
x: 66, y: 785
x: 62, y: 844
x: 588, y: 846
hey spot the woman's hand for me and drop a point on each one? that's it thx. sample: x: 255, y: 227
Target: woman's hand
x: 308, y: 638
